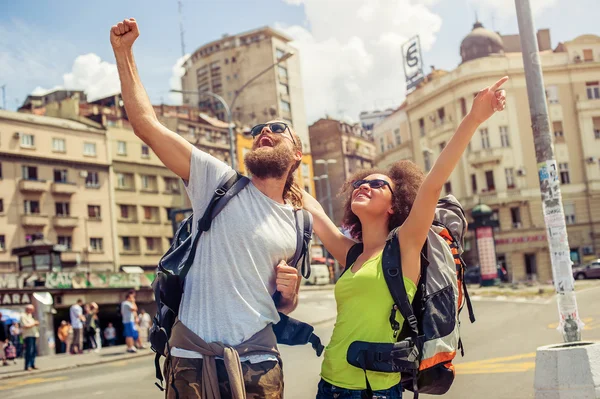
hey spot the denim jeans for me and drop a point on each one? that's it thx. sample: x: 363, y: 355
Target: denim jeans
x: 30, y: 351
x: 328, y: 391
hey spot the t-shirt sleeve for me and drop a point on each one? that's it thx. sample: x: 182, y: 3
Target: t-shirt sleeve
x: 206, y: 172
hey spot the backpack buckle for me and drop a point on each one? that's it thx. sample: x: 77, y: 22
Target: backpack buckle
x: 412, y: 321
x: 220, y: 192
x: 395, y: 325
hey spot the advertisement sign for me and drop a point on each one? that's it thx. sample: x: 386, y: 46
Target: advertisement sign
x: 487, y: 253
x: 413, y: 62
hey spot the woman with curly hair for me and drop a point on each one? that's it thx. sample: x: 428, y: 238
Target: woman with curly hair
x: 378, y: 202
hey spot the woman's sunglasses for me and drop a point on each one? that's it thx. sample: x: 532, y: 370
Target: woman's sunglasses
x: 375, y: 183
x: 275, y: 127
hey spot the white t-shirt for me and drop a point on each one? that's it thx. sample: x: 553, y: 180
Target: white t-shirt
x: 145, y: 321
x: 75, y: 312
x: 228, y: 290
x: 110, y: 333
x: 127, y: 312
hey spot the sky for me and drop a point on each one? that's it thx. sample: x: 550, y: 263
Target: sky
x: 350, y: 50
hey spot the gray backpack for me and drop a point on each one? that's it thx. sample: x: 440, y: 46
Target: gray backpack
x: 429, y: 339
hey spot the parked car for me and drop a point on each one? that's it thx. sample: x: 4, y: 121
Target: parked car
x: 319, y: 274
x: 589, y: 270
x: 473, y: 275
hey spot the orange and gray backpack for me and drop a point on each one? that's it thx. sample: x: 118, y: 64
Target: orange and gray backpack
x: 429, y: 339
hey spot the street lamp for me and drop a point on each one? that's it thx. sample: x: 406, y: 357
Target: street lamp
x: 325, y: 163
x: 229, y: 109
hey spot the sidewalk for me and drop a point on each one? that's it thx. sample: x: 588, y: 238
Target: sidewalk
x: 62, y: 362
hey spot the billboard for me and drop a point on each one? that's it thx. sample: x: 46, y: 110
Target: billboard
x: 413, y: 62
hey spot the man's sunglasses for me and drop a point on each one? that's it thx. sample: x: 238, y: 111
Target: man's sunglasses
x: 375, y: 183
x: 275, y: 127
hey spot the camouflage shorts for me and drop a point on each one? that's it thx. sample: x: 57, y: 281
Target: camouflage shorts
x: 262, y: 380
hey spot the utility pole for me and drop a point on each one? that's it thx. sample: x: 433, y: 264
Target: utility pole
x: 3, y: 87
x: 180, y: 7
x: 556, y: 229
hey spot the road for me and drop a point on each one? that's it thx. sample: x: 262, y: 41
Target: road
x: 499, y: 357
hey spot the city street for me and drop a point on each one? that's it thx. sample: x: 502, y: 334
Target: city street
x: 499, y: 356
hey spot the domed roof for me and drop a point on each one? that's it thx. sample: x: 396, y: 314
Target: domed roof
x: 481, y: 210
x: 480, y: 43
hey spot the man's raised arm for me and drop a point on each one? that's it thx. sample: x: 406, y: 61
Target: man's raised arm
x: 173, y: 150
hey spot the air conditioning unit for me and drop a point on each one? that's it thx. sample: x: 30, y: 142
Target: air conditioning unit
x: 83, y: 174
x: 16, y: 135
x: 591, y: 160
x: 521, y: 172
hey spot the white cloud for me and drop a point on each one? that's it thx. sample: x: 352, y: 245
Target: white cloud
x: 89, y: 73
x: 351, y: 56
x: 506, y: 8
x: 175, y: 80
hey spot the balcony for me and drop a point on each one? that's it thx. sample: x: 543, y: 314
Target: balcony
x: 445, y: 126
x: 65, y: 221
x: 32, y: 186
x: 63, y: 188
x: 34, y: 220
x: 70, y: 256
x: 588, y: 105
x: 485, y: 156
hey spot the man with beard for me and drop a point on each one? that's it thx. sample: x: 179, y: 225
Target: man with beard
x: 240, y: 261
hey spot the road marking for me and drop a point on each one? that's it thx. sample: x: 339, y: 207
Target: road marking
x: 506, y: 364
x: 30, y: 381
x: 589, y: 324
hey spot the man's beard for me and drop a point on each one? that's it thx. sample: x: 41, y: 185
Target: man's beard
x: 264, y: 163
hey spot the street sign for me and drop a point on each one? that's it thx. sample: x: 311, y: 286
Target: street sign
x: 413, y: 62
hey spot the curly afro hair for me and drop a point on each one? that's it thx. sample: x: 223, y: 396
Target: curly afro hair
x: 407, y: 178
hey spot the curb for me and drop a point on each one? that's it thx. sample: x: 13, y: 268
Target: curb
x: 74, y: 366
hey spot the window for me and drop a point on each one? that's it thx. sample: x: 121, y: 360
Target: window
x: 510, y: 177
x: 27, y: 140
x: 2, y: 243
x: 564, y: 173
x: 124, y: 211
x: 149, y: 213
x: 126, y: 243
x: 504, y: 138
x: 569, y: 209
x: 474, y: 183
x: 153, y: 244
x: 92, y: 180
x: 305, y: 170
x: 121, y: 148
x: 145, y: 151
x: 426, y: 161
x: 65, y: 241
x: 552, y: 94
x: 59, y: 145
x: 282, y: 71
x: 557, y: 129
x: 0, y: 171
x: 168, y: 212
x: 515, y: 216
x: 95, y: 244
x: 1, y: 205
x: 125, y: 181
x: 60, y: 175
x: 285, y: 106
x: 279, y: 53
x: 29, y: 172
x: 121, y: 180
x: 422, y: 127
x: 485, y: 138
x: 588, y: 55
x: 441, y: 113
x: 442, y: 146
x: 94, y: 212
x: 284, y: 89
x: 62, y: 209
x: 31, y: 207
x: 172, y: 185
x: 496, y: 217
x: 595, y: 121
x: 448, y: 187
x: 382, y: 144
x: 89, y: 149
x: 148, y: 182
x: 592, y: 88
x: 489, y: 180
x: 397, y: 136
x: 463, y: 107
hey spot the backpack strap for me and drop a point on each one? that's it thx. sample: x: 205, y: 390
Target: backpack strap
x: 304, y: 227
x: 352, y: 255
x: 234, y: 183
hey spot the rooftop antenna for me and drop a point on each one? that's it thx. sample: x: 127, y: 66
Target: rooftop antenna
x: 3, y: 87
x: 180, y: 7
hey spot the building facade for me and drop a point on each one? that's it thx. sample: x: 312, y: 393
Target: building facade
x: 348, y: 148
x: 499, y: 167
x: 225, y: 66
x: 392, y: 138
x: 369, y: 120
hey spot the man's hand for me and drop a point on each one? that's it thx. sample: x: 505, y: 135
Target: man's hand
x: 123, y: 34
x: 287, y: 280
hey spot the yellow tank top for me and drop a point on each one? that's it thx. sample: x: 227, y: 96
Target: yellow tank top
x: 363, y: 311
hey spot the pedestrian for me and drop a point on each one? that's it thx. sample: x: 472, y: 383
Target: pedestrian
x: 63, y: 335
x: 110, y: 335
x: 16, y: 338
x: 129, y: 314
x: 145, y: 323
x: 69, y: 338
x: 89, y: 328
x: 3, y: 339
x: 77, y: 320
x: 10, y: 352
x: 239, y: 263
x: 379, y: 201
x: 30, y: 335
x: 95, y: 309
